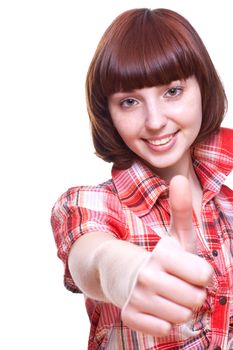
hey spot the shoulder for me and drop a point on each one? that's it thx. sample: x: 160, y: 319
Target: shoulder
x: 84, y: 209
x: 222, y: 141
x: 101, y: 198
x: 216, y: 151
x: 225, y: 138
x: 75, y: 194
x: 226, y: 133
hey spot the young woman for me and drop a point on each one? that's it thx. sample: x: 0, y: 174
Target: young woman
x: 151, y: 249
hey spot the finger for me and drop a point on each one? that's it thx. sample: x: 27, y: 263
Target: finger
x: 145, y: 323
x: 162, y: 308
x: 181, y: 213
x: 172, y: 288
x: 180, y: 263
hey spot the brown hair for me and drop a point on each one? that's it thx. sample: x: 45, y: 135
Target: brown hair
x: 144, y: 48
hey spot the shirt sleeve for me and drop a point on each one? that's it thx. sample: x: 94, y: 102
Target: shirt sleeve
x: 82, y: 210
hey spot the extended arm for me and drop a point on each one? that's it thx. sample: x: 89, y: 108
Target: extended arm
x: 154, y: 290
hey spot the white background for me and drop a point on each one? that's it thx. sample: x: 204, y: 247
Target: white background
x: 46, y: 47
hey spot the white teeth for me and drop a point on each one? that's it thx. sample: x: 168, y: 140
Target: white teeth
x: 160, y: 142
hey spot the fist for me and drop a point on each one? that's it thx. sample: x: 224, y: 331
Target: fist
x: 171, y: 283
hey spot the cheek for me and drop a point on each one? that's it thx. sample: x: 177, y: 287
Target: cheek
x: 196, y: 109
x: 196, y: 117
x: 126, y: 132
x: 191, y: 115
x: 127, y: 127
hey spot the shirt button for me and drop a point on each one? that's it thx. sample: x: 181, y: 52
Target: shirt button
x: 222, y: 300
x: 218, y: 348
x: 214, y: 252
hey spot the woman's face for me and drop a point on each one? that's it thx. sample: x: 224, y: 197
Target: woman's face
x: 159, y: 124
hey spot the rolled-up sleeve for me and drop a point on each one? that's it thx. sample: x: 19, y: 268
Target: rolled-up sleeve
x: 82, y: 210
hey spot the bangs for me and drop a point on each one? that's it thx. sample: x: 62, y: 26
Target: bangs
x: 151, y: 53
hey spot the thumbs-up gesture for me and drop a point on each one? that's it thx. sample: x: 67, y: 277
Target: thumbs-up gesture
x: 171, y: 283
x: 181, y: 213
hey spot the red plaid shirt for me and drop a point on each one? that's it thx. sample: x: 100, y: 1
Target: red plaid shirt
x: 134, y: 206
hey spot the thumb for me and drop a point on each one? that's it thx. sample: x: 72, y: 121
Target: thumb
x: 181, y: 213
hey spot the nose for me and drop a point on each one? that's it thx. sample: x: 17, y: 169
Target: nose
x: 155, y: 116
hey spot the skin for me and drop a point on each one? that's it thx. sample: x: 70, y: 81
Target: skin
x: 162, y: 288
x: 156, y: 290
x: 150, y: 115
x: 171, y: 284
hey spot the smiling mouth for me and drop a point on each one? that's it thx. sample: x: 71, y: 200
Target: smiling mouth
x: 162, y: 141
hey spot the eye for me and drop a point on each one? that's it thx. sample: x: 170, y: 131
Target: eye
x: 128, y: 102
x: 174, y: 91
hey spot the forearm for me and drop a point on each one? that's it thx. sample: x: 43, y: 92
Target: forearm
x: 118, y: 263
x: 104, y: 267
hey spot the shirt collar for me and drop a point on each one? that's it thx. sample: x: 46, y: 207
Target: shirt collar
x: 139, y: 188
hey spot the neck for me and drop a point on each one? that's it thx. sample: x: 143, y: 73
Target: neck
x: 183, y: 167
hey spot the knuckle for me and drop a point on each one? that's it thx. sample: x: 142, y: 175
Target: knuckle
x: 136, y: 298
x: 182, y: 315
x: 143, y: 276
x: 148, y: 275
x: 163, y: 329
x: 200, y: 298
x: 186, y: 315
x: 206, y: 273
x: 127, y: 315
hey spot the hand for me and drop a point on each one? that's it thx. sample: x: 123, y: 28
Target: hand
x: 171, y: 283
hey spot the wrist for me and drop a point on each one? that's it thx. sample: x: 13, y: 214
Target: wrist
x: 118, y: 263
